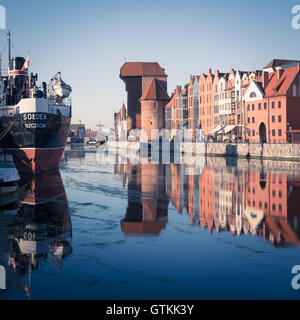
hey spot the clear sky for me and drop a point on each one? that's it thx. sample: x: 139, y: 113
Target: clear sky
x: 88, y: 41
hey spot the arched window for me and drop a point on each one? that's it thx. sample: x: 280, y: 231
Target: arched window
x: 252, y: 95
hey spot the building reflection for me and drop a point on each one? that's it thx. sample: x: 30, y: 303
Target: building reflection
x: 240, y: 199
x: 220, y: 195
x: 147, y: 210
x: 72, y: 153
x: 42, y: 229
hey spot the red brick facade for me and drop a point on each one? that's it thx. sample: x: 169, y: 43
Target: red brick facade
x: 272, y: 117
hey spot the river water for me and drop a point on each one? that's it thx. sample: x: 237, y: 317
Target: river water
x: 219, y: 229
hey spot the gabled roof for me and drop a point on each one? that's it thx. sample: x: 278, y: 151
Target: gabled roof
x: 155, y: 91
x: 256, y: 87
x: 278, y: 62
x: 172, y: 101
x: 138, y: 69
x: 277, y: 87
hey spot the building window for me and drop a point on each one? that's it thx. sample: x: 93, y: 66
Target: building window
x: 279, y: 119
x: 253, y: 133
x: 253, y: 120
x: 273, y: 118
x: 248, y: 120
x: 248, y: 107
x: 252, y: 95
x: 279, y: 133
x: 274, y: 193
x: 279, y: 104
x: 294, y: 90
x: 273, y: 133
x: 273, y: 105
x: 253, y: 107
x: 259, y: 106
x: 280, y: 207
x: 265, y: 106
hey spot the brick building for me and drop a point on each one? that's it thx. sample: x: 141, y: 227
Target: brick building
x: 153, y: 103
x: 193, y: 103
x: 176, y: 112
x: 138, y: 78
x: 272, y: 103
x: 255, y: 106
x: 206, y: 103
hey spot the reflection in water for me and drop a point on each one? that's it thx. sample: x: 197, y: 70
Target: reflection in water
x: 147, y: 211
x: 237, y: 196
x: 42, y: 226
x: 73, y: 153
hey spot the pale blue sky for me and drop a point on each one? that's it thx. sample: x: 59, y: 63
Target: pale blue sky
x: 88, y: 40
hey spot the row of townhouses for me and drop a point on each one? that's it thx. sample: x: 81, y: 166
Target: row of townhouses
x: 255, y: 106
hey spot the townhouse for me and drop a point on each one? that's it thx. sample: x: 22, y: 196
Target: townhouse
x: 193, y: 103
x: 272, y: 103
x: 176, y: 112
x: 206, y: 114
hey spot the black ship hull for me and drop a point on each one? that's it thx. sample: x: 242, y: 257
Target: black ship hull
x: 36, y: 140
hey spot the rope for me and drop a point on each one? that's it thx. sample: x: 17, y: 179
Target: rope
x: 6, y: 131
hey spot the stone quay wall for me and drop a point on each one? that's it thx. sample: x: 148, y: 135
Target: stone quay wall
x: 245, y: 150
x: 271, y: 151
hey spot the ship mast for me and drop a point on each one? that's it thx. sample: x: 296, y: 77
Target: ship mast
x: 9, y: 48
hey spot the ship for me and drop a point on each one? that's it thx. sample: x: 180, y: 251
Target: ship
x: 34, y: 120
x: 92, y: 141
x: 101, y: 137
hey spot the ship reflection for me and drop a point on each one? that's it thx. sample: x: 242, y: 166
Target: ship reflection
x: 220, y: 195
x: 42, y: 229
